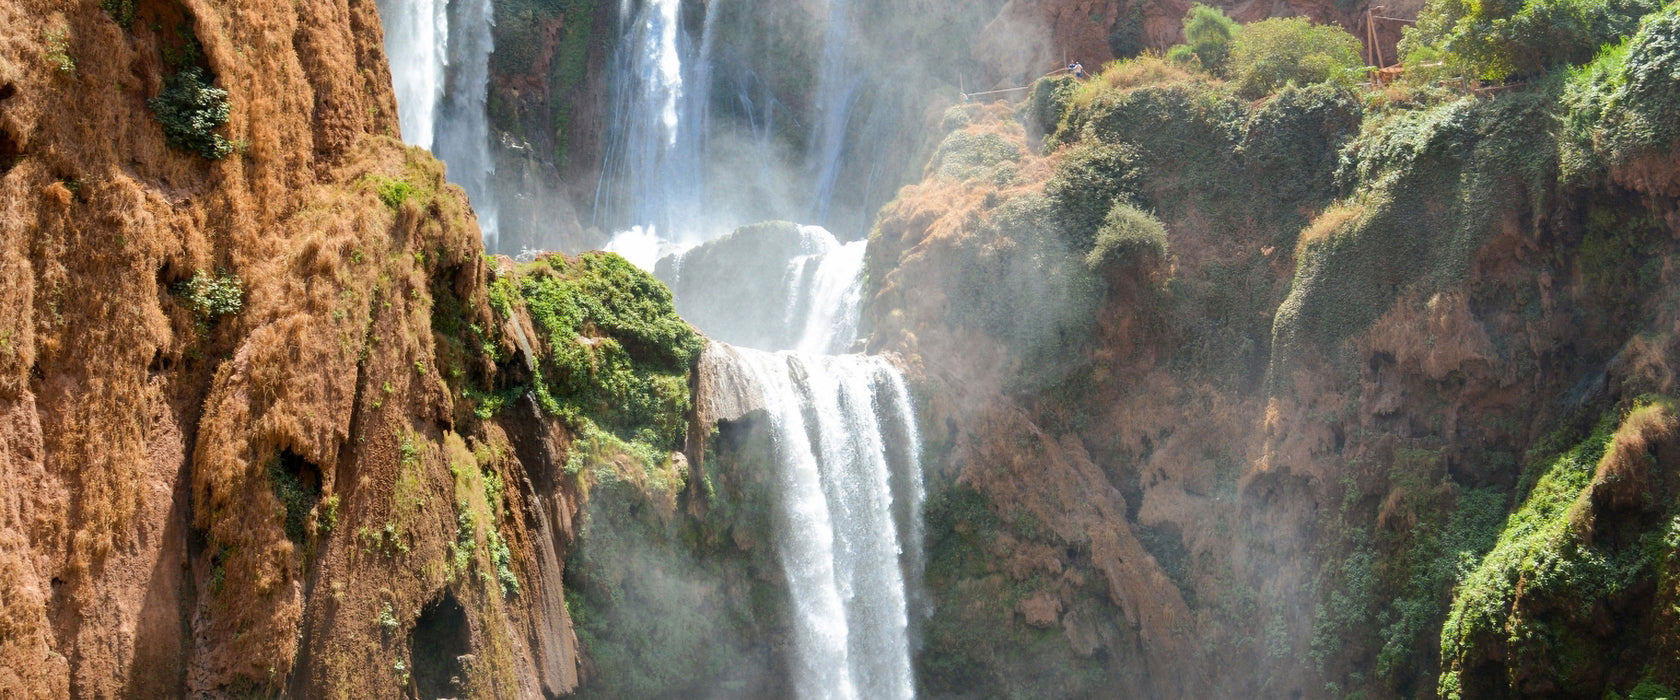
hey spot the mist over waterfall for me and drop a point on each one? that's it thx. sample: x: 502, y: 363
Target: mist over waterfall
x: 440, y: 54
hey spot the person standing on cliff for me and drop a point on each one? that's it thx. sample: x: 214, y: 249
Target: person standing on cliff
x: 1078, y: 69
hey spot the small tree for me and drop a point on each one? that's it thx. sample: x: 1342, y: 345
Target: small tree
x: 1270, y: 54
x: 1207, y: 35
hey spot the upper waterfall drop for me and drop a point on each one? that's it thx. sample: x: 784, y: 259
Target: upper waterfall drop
x: 417, y: 42
x: 440, y: 68
x: 652, y: 175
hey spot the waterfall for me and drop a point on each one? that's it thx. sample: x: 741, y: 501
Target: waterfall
x: 825, y: 289
x: 849, y: 499
x: 416, y: 41
x: 440, y: 68
x: 653, y: 173
x: 838, y: 84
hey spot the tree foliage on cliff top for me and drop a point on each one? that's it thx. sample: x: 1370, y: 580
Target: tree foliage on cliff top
x: 1517, y: 39
x: 1626, y: 103
x: 1270, y: 54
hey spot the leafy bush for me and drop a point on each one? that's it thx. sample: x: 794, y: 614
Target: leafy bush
x: 1128, y: 234
x: 1627, y: 101
x: 617, y: 353
x: 191, y: 110
x: 1267, y: 55
x: 58, y: 50
x: 1087, y: 183
x: 393, y: 192
x: 1536, y: 599
x: 1207, y: 37
x: 1045, y: 104
x: 1291, y: 148
x: 1427, y: 184
x: 1516, y: 39
x: 210, y: 297
x: 1130, y: 73
x: 964, y: 155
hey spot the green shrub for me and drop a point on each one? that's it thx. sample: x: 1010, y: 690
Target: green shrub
x: 1427, y: 185
x: 393, y: 192
x: 58, y: 50
x: 1128, y: 235
x: 1535, y: 600
x: 1626, y: 102
x: 1290, y: 151
x: 1086, y: 185
x: 617, y: 354
x: 191, y: 110
x: 1514, y: 39
x: 1045, y: 104
x: 964, y: 155
x: 211, y: 297
x: 1267, y: 55
x: 1208, y: 34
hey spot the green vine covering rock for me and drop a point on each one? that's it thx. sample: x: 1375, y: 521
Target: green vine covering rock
x: 1560, y: 564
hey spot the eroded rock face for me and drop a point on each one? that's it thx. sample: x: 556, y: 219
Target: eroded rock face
x: 230, y: 387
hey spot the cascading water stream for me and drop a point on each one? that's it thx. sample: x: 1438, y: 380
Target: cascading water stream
x: 837, y: 87
x: 652, y: 174
x: 849, y: 483
x: 849, y: 501
x: 824, y: 294
x: 463, y: 129
x: 440, y: 55
x: 416, y: 40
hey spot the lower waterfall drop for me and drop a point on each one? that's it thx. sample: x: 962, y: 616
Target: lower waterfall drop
x: 848, y: 514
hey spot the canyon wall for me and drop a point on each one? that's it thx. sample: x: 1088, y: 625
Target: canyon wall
x: 1320, y: 394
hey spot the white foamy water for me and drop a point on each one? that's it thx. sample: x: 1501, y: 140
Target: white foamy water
x: 848, y: 499
x: 654, y: 166
x: 825, y: 292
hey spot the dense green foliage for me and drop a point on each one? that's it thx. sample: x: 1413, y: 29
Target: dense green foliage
x: 210, y: 297
x: 191, y: 109
x: 1626, y: 103
x: 1088, y: 182
x: 1047, y: 101
x: 1270, y: 54
x: 1426, y: 184
x: 1535, y: 599
x: 965, y: 154
x: 1516, y: 39
x: 1127, y: 235
x: 617, y: 355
